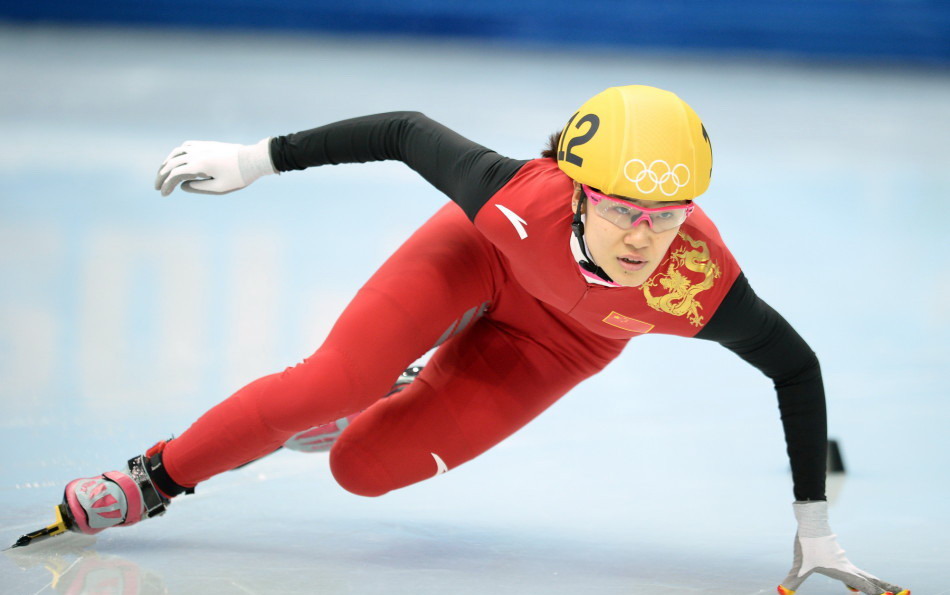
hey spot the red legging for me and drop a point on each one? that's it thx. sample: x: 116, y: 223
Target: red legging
x: 480, y: 386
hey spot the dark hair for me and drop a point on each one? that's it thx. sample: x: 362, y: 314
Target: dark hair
x: 553, y: 141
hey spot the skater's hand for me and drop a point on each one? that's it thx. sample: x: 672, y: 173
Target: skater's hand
x: 817, y: 550
x: 209, y: 167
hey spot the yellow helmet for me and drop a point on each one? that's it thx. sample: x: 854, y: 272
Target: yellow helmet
x: 638, y: 142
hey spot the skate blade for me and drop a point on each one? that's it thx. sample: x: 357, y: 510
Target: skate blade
x: 61, y: 525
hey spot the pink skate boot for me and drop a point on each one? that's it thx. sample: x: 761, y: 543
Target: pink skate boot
x: 321, y: 438
x: 142, y: 489
x: 115, y: 498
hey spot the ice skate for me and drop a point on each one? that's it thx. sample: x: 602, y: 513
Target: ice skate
x: 322, y: 438
x: 115, y: 498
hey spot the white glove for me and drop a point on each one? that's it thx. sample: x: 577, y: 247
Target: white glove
x: 209, y: 167
x: 817, y: 550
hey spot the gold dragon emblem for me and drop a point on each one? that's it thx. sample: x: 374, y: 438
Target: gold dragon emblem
x: 680, y: 297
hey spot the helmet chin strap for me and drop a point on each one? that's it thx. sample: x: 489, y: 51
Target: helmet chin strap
x: 577, y: 226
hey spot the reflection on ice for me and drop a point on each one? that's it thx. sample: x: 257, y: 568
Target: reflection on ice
x: 75, y: 567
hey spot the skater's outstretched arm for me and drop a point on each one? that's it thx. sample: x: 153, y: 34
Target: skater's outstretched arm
x: 465, y: 171
x: 749, y: 327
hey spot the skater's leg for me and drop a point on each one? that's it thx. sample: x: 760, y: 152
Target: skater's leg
x: 322, y: 438
x: 443, y: 277
x: 477, y: 390
x: 439, y: 281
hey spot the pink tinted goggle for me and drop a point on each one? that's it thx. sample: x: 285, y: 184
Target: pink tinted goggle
x: 627, y: 215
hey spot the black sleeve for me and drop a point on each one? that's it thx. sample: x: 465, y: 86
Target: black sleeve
x: 758, y: 334
x: 465, y: 171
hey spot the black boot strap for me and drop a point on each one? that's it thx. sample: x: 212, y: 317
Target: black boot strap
x: 154, y: 503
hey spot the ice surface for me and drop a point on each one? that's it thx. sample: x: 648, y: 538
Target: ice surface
x: 124, y: 315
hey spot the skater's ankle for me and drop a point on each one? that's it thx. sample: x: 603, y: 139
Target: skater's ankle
x: 167, y: 487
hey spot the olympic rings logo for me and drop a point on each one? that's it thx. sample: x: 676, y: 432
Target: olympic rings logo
x: 649, y: 178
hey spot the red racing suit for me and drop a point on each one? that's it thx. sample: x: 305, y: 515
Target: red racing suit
x: 684, y: 292
x: 516, y: 320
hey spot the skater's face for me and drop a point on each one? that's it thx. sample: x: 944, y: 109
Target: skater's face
x: 629, y: 256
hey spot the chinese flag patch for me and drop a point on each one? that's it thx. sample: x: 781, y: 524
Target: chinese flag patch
x: 628, y: 324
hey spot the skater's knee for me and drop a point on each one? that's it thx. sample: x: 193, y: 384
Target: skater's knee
x: 359, y: 472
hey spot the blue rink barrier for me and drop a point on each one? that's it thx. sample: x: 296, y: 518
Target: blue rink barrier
x: 902, y: 30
